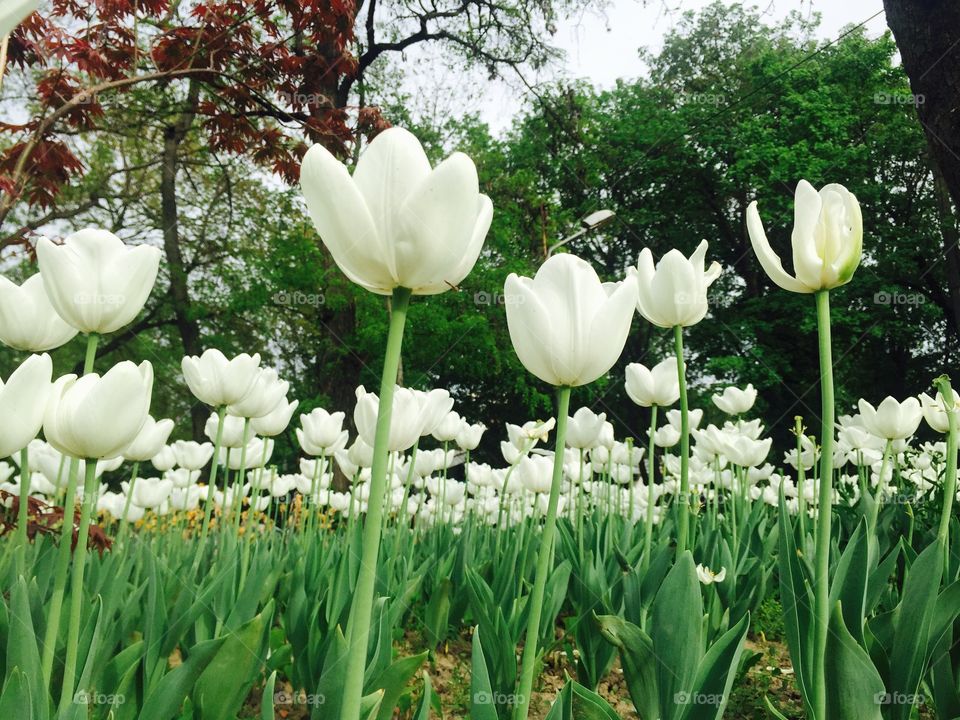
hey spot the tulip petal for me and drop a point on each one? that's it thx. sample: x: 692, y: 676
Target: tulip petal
x: 769, y: 260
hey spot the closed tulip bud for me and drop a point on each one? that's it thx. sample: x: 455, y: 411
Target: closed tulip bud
x: 468, y: 438
x: 535, y: 472
x: 935, y: 411
x: 734, y: 401
x: 395, y: 222
x: 148, y: 493
x: 234, y: 435
x: 658, y: 386
x: 584, y: 428
x: 567, y: 327
x: 827, y: 239
x: 28, y: 320
x: 192, y: 455
x: 165, y: 459
x: 277, y: 420
x: 320, y: 431
x: 891, y: 420
x: 674, y: 292
x: 253, y: 457
x: 23, y: 399
x: 219, y: 382
x: 265, y: 394
x: 182, y: 477
x: 98, y: 417
x: 436, y: 406
x: 747, y: 452
x: 151, y: 439
x: 666, y: 437
x: 448, y: 427
x: 405, y: 421
x: 94, y: 281
x: 696, y: 415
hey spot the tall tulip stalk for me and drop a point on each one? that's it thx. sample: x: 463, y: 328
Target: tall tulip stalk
x: 568, y: 329
x: 827, y: 244
x: 396, y: 227
x: 673, y: 294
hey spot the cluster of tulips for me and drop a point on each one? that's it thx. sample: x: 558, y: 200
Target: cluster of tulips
x: 654, y: 551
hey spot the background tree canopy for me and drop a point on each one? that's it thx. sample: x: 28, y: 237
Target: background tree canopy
x: 733, y: 110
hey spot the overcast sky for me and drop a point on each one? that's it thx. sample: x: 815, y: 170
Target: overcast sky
x: 603, y: 47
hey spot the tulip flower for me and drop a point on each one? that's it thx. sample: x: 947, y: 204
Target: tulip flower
x: 234, y: 431
x: 891, y: 420
x: 583, y: 429
x: 468, y: 438
x: 263, y: 397
x: 827, y: 243
x: 23, y: 398
x: 14, y: 12
x: 405, y: 425
x: 567, y: 329
x: 708, y: 576
x: 566, y: 326
x: 94, y: 281
x: 165, y: 459
x: 658, y: 385
x: 436, y: 405
x: 219, y: 382
x: 936, y: 412
x: 734, y: 401
x: 827, y: 239
x: 320, y: 431
x: 277, y: 420
x: 674, y: 292
x: 150, y: 440
x: 99, y: 417
x: 192, y: 455
x: 28, y: 320
x: 447, y: 428
x: 396, y: 223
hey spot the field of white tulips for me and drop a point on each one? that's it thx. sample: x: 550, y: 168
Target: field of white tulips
x: 389, y: 575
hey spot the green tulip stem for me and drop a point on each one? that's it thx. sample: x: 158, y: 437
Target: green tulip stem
x: 651, y: 477
x: 76, y: 583
x: 878, y: 495
x: 126, y: 505
x: 950, y: 478
x: 236, y: 502
x: 66, y: 542
x: 824, y: 509
x: 358, y: 630
x: 22, y: 512
x: 211, y: 487
x: 544, y: 556
x: 801, y: 477
x: 683, y: 525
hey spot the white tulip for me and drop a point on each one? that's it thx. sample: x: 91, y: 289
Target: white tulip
x: 98, y: 417
x: 734, y: 401
x: 277, y: 420
x: 892, y: 420
x: 320, y: 431
x: 23, y: 399
x: 535, y: 472
x: 708, y: 576
x: 150, y: 440
x: 165, y: 459
x: 405, y: 422
x: 827, y: 239
x: 583, y: 429
x: 148, y: 493
x: 219, y: 382
x: 396, y: 222
x: 446, y: 430
x: 436, y: 406
x: 674, y: 292
x: 468, y: 438
x: 94, y: 281
x: 658, y: 386
x: 935, y: 412
x: 28, y: 320
x: 192, y: 455
x: 567, y: 327
x: 265, y: 395
x: 233, y: 435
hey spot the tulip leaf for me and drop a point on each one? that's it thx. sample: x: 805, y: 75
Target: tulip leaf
x: 716, y: 674
x: 164, y: 702
x: 266, y: 698
x: 855, y: 690
x: 16, y: 700
x: 223, y: 685
x: 677, y: 630
x: 22, y: 650
x: 423, y: 713
x: 329, y: 692
x: 797, y: 602
x: 849, y: 584
x: 575, y: 702
x: 393, y: 681
x: 438, y: 613
x: 638, y: 662
x: 482, y: 705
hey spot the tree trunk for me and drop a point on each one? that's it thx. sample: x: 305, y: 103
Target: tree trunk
x: 186, y: 324
x: 928, y: 36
